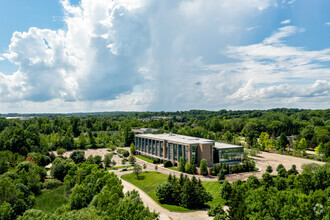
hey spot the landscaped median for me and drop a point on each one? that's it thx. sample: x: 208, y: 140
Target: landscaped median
x: 148, y: 182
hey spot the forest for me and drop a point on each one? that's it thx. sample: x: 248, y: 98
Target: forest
x: 27, y: 143
x: 281, y: 130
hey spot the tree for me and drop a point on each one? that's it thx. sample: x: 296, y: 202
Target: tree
x: 144, y: 166
x: 113, y: 163
x: 203, y: 166
x: 269, y: 169
x: 131, y: 159
x: 279, y: 167
x: 237, y: 208
x: 302, y: 145
x: 182, y: 165
x: 283, y: 141
x: 98, y: 160
x: 293, y: 170
x: 282, y: 172
x: 225, y: 191
x: 267, y: 180
x: 60, y: 151
x: 123, y: 161
x: 78, y: 198
x: 90, y: 159
x: 221, y: 174
x: 164, y: 192
x: 137, y: 170
x: 107, y: 159
x: 132, y: 149
x: 78, y: 156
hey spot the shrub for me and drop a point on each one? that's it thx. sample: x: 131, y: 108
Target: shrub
x: 52, y: 184
x: 123, y: 152
x: 156, y: 161
x: 203, y: 167
x: 168, y: 164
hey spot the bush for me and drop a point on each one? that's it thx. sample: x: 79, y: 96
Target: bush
x: 156, y: 161
x: 52, y: 184
x: 123, y: 152
x: 203, y: 167
x: 168, y: 164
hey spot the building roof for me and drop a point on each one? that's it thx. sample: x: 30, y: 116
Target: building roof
x: 222, y: 146
x: 177, y: 138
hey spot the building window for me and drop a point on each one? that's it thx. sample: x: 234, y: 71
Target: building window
x: 185, y: 150
x: 230, y: 155
x: 175, y: 149
x: 193, y: 154
x: 179, y: 151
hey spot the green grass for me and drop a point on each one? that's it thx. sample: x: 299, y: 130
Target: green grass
x: 214, y: 188
x: 149, y: 181
x: 173, y: 168
x: 50, y: 199
x: 144, y: 158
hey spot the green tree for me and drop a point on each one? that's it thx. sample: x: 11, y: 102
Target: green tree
x: 283, y: 141
x: 78, y: 198
x: 78, y: 156
x: 164, y: 192
x: 107, y: 159
x: 132, y: 159
x: 60, y: 151
x: 302, y: 145
x: 225, y: 190
x: 132, y: 149
x: 137, y: 170
x: 98, y: 160
x: 203, y: 166
x: 269, y: 169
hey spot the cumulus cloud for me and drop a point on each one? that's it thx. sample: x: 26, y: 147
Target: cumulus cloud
x: 158, y: 55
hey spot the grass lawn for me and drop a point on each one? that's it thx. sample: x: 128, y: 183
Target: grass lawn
x: 149, y: 181
x: 144, y: 158
x: 214, y: 188
x: 173, y: 168
x: 50, y: 199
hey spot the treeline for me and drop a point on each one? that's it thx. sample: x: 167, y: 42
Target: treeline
x: 113, y: 129
x: 288, y: 195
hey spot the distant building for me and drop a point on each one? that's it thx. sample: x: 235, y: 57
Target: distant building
x: 192, y: 149
x: 144, y: 130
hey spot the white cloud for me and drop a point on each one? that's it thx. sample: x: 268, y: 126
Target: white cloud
x: 252, y: 28
x: 327, y: 24
x: 286, y: 21
x: 158, y: 55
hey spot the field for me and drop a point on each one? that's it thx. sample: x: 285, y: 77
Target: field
x: 50, y: 200
x: 149, y: 181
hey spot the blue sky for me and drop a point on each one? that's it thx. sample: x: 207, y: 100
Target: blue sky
x: 79, y: 56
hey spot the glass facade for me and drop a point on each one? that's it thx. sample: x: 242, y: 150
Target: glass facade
x: 230, y: 155
x: 193, y: 154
